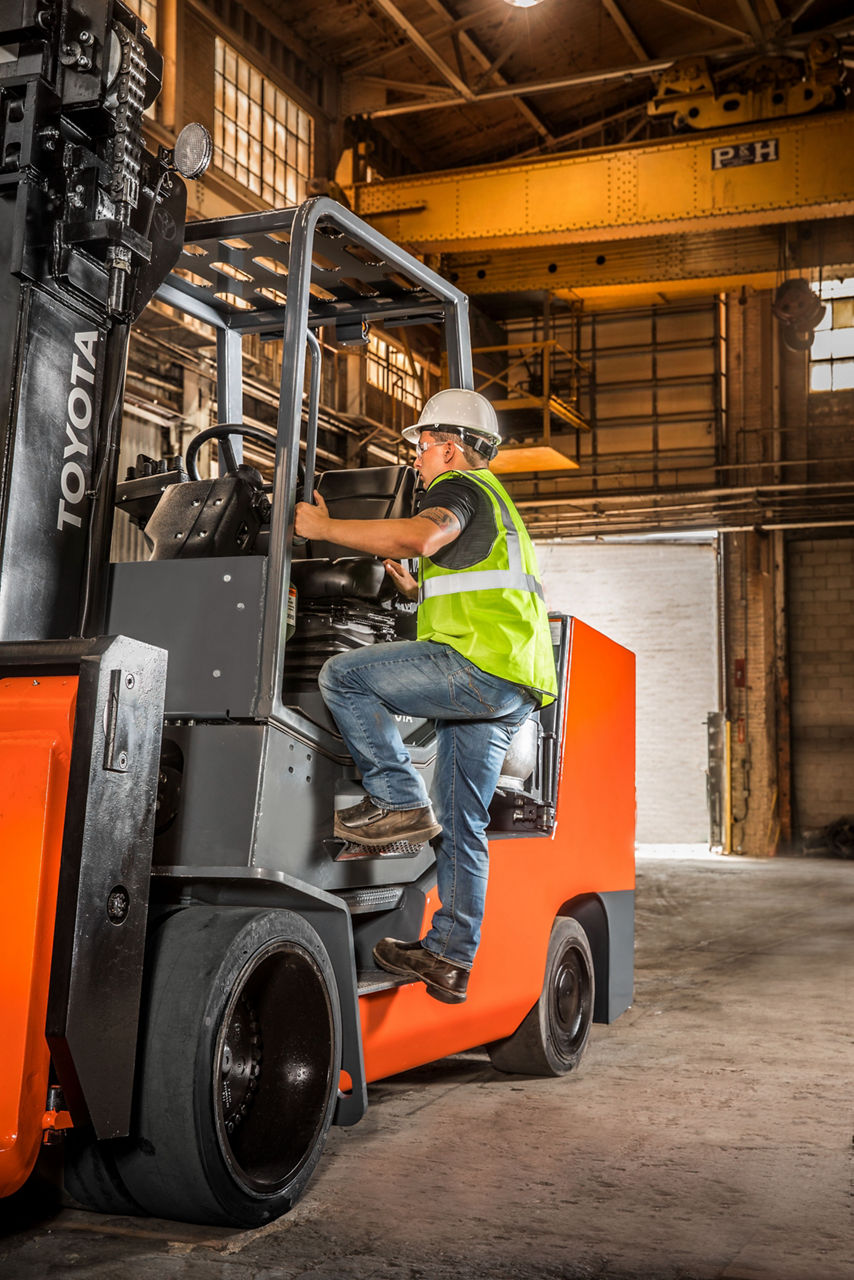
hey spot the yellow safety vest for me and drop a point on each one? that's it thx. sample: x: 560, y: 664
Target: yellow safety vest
x: 493, y: 613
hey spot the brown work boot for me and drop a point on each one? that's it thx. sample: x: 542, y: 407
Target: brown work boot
x: 444, y: 980
x: 366, y: 823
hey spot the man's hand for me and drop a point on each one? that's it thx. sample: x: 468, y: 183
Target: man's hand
x: 402, y: 579
x: 312, y: 520
x: 401, y: 537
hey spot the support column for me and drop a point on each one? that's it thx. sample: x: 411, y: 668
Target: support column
x: 750, y: 631
x: 754, y: 595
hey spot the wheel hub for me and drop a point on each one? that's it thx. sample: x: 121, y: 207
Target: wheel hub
x: 240, y: 1065
x: 568, y: 1000
x: 273, y: 1072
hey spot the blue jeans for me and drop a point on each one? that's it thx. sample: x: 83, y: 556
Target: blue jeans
x: 476, y: 716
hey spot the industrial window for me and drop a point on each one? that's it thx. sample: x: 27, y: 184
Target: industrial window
x: 390, y: 370
x: 832, y: 352
x: 262, y: 138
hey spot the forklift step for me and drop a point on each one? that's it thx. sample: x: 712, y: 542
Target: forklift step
x: 365, y: 901
x: 345, y: 851
x: 371, y: 980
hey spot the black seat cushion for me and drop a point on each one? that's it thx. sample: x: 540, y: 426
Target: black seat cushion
x: 368, y: 493
x: 353, y: 577
x: 333, y: 572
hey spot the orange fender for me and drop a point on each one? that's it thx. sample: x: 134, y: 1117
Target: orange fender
x: 590, y: 851
x: 36, y: 724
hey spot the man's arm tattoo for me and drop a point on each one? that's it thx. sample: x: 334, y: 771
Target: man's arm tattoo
x: 442, y: 517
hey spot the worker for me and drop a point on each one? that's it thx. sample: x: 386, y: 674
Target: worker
x: 482, y: 662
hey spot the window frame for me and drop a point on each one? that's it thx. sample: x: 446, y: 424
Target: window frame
x: 253, y: 110
x: 836, y: 368
x: 394, y: 361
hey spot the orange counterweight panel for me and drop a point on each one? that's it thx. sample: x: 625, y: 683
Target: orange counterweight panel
x: 590, y: 851
x: 36, y: 725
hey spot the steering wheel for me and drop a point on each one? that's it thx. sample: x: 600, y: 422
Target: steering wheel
x: 221, y: 432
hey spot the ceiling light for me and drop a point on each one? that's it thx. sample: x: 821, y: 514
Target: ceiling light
x: 523, y: 4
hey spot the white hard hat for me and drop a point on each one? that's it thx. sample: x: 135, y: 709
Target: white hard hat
x: 465, y: 413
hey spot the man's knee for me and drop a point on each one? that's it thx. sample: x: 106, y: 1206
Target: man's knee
x: 331, y: 675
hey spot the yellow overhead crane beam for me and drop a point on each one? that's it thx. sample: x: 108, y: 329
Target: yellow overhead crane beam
x: 771, y: 172
x: 641, y: 270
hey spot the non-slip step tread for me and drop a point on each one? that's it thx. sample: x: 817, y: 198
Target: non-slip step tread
x: 371, y: 980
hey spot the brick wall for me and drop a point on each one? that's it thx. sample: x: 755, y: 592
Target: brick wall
x: 821, y: 657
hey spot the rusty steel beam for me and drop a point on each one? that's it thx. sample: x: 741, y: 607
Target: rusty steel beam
x: 707, y: 21
x: 777, y: 171
x: 603, y: 76
x: 752, y: 20
x: 613, y: 273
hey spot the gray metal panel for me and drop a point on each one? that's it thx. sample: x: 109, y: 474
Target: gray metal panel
x: 207, y: 614
x: 620, y: 909
x: 102, y: 901
x: 46, y: 461
x: 295, y: 816
x: 219, y: 795
x: 262, y: 796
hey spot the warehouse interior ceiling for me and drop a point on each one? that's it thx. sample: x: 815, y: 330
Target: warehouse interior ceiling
x: 554, y: 163
x: 435, y: 84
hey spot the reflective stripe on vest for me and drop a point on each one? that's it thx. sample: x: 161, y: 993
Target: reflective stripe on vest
x: 513, y: 578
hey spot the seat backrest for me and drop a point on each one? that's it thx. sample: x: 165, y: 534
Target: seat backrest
x: 368, y: 493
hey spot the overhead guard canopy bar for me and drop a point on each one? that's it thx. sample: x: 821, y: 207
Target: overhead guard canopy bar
x: 236, y: 272
x: 285, y: 272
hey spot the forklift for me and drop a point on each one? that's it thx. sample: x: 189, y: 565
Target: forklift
x: 190, y: 999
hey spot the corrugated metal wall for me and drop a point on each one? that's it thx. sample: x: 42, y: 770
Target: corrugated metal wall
x: 656, y: 395
x: 660, y: 601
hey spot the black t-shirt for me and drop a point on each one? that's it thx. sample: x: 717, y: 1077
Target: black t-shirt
x: 473, y: 509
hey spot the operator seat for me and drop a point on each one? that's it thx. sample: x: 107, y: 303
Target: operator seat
x: 367, y: 493
x: 344, y: 600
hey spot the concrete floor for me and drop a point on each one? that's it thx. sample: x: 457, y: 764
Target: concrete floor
x: 708, y: 1135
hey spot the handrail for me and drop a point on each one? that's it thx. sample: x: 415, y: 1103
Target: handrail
x: 313, y: 415
x: 454, y: 305
x: 295, y: 229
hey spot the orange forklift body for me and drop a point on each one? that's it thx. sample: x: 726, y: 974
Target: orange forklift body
x: 531, y: 881
x: 36, y: 725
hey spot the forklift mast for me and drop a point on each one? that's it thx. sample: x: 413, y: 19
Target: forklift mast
x: 90, y: 222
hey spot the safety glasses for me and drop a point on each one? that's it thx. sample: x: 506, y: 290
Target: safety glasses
x: 422, y: 448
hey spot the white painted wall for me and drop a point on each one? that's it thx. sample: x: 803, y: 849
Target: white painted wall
x: 659, y: 600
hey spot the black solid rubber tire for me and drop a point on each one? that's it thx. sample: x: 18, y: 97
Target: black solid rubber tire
x: 222, y: 980
x: 551, y: 1040
x: 91, y: 1177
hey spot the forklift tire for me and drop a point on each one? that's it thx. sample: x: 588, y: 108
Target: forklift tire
x: 239, y: 1066
x: 91, y: 1178
x: 552, y: 1038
